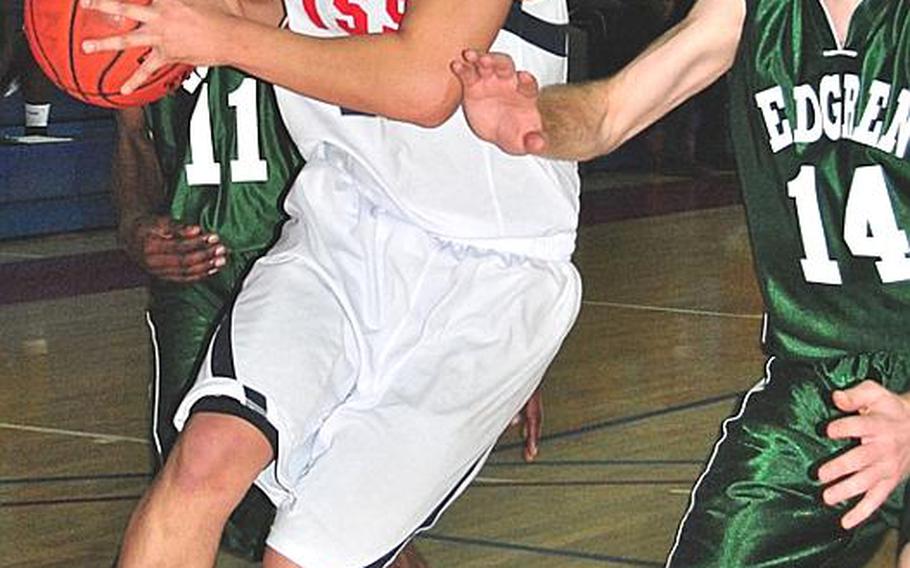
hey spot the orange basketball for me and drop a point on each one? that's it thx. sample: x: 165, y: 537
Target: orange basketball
x: 56, y: 30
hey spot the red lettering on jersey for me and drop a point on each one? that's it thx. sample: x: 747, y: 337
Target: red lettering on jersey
x: 351, y: 17
x: 313, y: 13
x: 395, y: 9
x: 357, y: 24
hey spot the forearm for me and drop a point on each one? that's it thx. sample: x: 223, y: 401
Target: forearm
x: 582, y: 121
x: 571, y: 116
x: 681, y: 63
x: 402, y: 75
x: 339, y: 71
x: 136, y: 181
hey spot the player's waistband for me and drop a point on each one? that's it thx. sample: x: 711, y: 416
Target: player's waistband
x: 556, y: 247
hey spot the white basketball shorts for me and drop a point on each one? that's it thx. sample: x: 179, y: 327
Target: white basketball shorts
x: 381, y: 362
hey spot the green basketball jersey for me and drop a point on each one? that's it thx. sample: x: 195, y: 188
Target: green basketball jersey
x: 821, y: 132
x: 226, y: 156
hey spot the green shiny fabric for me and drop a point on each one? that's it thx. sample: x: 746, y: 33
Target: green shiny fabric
x: 758, y: 503
x: 247, y: 217
x: 789, y: 43
x: 244, y: 214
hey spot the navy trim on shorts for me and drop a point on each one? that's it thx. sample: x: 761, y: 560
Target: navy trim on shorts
x: 545, y: 35
x: 431, y: 519
x: 351, y: 112
x: 256, y: 400
x: 222, y: 351
x: 232, y: 407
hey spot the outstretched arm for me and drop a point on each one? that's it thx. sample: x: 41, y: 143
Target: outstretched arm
x: 589, y: 119
x: 401, y: 75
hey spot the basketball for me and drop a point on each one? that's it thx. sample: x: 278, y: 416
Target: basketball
x: 56, y: 29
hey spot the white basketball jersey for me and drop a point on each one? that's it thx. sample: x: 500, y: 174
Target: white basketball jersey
x: 444, y: 179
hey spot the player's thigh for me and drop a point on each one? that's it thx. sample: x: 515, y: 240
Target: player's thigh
x: 284, y: 355
x: 758, y: 503
x: 461, y: 363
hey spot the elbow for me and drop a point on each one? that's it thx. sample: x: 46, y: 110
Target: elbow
x: 430, y: 103
x: 434, y: 117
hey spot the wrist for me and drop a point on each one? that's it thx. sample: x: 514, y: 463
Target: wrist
x: 126, y: 228
x: 231, y: 34
x: 215, y: 25
x: 129, y: 233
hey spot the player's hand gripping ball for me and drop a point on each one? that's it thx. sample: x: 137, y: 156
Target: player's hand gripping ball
x: 56, y: 30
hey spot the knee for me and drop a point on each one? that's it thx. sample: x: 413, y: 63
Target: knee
x: 217, y: 457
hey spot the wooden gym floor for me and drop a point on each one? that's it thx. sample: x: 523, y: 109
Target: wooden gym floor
x: 666, y: 342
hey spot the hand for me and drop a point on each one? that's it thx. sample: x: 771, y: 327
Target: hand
x: 881, y: 423
x: 530, y: 418
x: 173, y: 251
x: 500, y: 103
x: 177, y: 31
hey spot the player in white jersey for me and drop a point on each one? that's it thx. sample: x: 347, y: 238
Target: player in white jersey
x: 462, y: 196
x: 412, y: 303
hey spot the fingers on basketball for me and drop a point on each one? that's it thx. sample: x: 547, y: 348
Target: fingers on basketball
x: 56, y: 32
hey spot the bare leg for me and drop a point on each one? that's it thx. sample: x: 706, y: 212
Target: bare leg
x: 179, y: 520
x: 409, y: 558
x: 903, y: 560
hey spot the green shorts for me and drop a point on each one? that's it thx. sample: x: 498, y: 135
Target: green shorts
x: 758, y: 503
